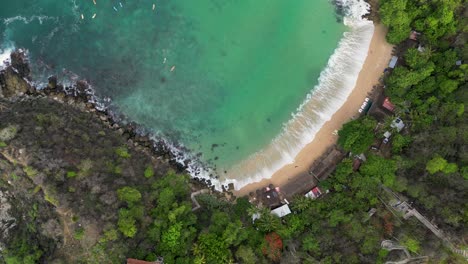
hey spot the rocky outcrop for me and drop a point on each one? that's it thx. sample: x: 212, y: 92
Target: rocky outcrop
x: 14, y: 80
x: 12, y: 84
x: 19, y: 61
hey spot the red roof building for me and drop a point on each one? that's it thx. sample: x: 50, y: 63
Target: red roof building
x: 136, y: 261
x: 314, y: 193
x: 388, y: 105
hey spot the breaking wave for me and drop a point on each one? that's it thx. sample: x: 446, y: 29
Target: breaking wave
x: 335, y: 84
x: 5, y: 56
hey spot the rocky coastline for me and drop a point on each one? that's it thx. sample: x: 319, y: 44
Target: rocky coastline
x: 16, y: 84
x: 62, y: 158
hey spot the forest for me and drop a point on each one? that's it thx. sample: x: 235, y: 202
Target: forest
x: 147, y: 214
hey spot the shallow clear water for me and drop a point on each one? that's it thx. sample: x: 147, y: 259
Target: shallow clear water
x: 240, y: 68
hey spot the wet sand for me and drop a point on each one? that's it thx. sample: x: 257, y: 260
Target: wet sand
x: 377, y: 60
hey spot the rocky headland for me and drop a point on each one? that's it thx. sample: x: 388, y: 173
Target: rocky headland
x: 61, y: 162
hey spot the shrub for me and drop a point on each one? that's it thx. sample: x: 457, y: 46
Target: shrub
x: 126, y: 223
x: 14, y: 177
x: 272, y: 247
x: 436, y: 164
x: 79, y: 234
x: 30, y: 171
x: 85, y: 167
x: 149, y: 171
x: 117, y: 170
x: 8, y: 133
x: 111, y: 235
x: 122, y: 152
x: 71, y: 174
x: 357, y: 135
x: 50, y: 196
x: 411, y: 244
x: 129, y: 194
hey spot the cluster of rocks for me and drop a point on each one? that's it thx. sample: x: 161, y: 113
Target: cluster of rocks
x: 15, y: 83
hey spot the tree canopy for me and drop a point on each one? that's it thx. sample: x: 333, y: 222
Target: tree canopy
x: 357, y: 136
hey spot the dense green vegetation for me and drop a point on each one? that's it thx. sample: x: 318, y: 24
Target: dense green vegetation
x: 120, y: 203
x: 436, y: 19
x: 431, y: 91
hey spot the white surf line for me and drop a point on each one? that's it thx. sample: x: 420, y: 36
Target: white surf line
x: 336, y: 82
x: 5, y: 57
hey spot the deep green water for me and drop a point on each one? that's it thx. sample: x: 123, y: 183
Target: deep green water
x: 242, y: 67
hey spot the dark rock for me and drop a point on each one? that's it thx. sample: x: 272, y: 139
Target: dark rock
x: 81, y: 87
x: 20, y: 62
x: 52, y: 82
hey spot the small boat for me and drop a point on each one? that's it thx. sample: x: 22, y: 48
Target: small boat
x: 82, y: 16
x: 115, y: 8
x: 94, y: 1
x: 154, y: 6
x: 173, y: 68
x: 94, y: 15
x: 164, y: 61
x: 120, y: 3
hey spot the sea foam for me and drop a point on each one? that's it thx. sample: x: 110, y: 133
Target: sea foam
x: 335, y: 84
x: 5, y: 57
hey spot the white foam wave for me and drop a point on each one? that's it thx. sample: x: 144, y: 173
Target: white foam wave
x: 5, y: 56
x: 336, y: 82
x: 27, y: 20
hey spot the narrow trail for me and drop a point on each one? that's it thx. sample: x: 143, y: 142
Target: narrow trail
x: 404, y: 208
x: 66, y: 231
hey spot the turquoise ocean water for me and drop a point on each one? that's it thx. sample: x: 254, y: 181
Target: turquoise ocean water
x: 220, y: 77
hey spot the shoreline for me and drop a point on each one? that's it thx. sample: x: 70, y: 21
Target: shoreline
x: 378, y: 55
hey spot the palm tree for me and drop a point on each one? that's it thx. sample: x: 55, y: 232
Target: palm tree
x: 268, y: 222
x: 301, y: 203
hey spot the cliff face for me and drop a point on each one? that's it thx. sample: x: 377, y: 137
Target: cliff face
x: 60, y: 167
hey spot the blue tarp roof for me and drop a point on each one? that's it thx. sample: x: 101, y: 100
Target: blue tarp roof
x: 393, y: 62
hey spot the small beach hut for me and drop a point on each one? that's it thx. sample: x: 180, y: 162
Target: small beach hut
x: 388, y: 105
x: 281, y: 211
x: 393, y: 62
x: 397, y: 124
x: 387, y: 134
x: 137, y: 261
x: 314, y: 193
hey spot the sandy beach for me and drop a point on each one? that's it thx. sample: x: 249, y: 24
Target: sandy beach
x: 377, y: 60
